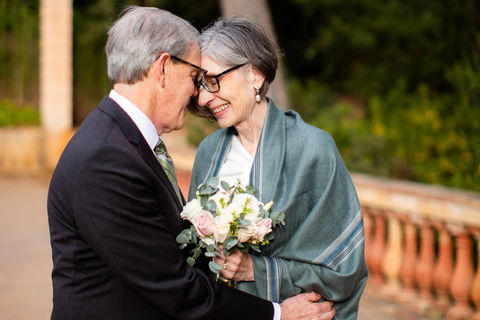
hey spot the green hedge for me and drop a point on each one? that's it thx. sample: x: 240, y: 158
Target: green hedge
x: 422, y: 136
x: 11, y: 115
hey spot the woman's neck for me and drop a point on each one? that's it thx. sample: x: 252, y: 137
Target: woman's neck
x: 249, y: 131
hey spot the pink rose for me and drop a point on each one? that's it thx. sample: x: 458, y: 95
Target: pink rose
x: 264, y: 227
x: 204, y: 223
x: 245, y: 234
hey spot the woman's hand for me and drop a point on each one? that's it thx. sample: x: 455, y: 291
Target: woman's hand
x: 237, y: 266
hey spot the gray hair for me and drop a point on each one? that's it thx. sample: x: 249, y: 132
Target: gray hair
x: 238, y: 40
x: 137, y: 39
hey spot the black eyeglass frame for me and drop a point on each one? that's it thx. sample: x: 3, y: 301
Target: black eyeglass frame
x: 203, y: 72
x: 216, y: 77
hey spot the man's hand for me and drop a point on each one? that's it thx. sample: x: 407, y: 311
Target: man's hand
x: 304, y: 306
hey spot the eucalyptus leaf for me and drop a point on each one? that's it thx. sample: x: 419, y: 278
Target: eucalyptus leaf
x: 243, y: 223
x: 191, y: 261
x: 230, y: 243
x: 225, y: 185
x: 210, y: 254
x: 215, y: 267
x: 196, y: 254
x: 182, y: 238
x: 211, y: 206
x: 255, y: 247
x: 213, y: 182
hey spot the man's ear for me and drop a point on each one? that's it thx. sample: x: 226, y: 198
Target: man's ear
x: 162, y: 68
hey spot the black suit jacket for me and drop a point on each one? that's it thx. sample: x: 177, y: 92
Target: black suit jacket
x: 113, y: 218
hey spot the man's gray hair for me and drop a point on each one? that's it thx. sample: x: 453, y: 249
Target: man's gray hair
x: 238, y: 40
x: 136, y: 40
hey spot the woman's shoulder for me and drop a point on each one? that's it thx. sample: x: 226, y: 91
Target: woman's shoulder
x: 299, y: 132
x: 213, y: 139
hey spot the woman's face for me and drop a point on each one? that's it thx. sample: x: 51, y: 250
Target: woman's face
x: 234, y: 102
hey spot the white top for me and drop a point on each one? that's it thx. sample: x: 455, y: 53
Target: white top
x: 237, y: 165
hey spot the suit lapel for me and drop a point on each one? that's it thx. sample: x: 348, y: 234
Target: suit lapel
x: 133, y: 134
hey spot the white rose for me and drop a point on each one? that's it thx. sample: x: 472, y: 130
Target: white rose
x: 191, y: 209
x: 220, y: 198
x: 208, y: 240
x: 224, y: 218
x: 249, y: 202
x: 233, y: 210
x: 222, y: 232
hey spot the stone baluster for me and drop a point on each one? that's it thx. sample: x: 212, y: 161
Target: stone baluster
x: 392, y: 258
x: 377, y: 247
x: 409, y: 261
x: 476, y: 282
x: 368, y: 229
x: 442, y: 273
x: 425, y: 266
x: 461, y: 283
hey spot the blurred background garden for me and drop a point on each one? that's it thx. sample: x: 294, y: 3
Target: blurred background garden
x: 396, y: 83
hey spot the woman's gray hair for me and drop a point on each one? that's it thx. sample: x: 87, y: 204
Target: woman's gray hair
x: 235, y: 41
x: 136, y: 40
x: 238, y: 40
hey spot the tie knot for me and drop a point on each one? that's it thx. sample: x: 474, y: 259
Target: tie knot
x: 160, y: 147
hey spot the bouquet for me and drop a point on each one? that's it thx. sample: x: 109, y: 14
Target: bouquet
x: 233, y: 218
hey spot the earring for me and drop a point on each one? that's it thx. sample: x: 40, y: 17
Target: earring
x: 257, y: 95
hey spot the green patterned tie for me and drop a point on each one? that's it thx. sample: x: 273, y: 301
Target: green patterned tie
x: 164, y: 158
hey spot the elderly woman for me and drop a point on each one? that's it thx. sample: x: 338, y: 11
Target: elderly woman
x: 288, y: 161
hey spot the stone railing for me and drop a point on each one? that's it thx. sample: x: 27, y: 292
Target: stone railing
x: 30, y: 150
x: 422, y: 246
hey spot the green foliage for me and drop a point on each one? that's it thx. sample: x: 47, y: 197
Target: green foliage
x: 364, y: 46
x: 19, y: 34
x: 413, y: 71
x: 92, y: 19
x: 11, y: 115
x: 424, y: 136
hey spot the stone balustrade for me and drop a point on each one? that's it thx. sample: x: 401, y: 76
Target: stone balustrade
x: 422, y: 246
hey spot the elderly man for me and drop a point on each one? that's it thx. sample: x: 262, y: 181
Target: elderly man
x: 114, y: 204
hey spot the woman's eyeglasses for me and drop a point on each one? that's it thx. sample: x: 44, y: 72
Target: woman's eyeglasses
x: 211, y: 83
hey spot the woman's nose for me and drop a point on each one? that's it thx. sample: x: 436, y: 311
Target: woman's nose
x: 204, y: 97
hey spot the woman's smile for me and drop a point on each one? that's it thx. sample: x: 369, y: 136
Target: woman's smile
x: 221, y: 108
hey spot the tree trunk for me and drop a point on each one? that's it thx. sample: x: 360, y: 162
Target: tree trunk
x: 258, y: 11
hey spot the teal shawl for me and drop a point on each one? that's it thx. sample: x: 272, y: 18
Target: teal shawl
x: 321, y: 246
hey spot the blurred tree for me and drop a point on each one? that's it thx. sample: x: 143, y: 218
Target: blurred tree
x: 19, y: 51
x: 365, y: 46
x: 259, y: 11
x: 92, y: 19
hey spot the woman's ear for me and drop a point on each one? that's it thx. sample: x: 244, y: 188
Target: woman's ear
x: 257, y: 77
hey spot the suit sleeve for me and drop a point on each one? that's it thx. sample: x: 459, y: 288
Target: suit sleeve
x: 125, y: 213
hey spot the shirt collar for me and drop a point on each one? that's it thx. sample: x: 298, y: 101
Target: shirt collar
x: 143, y: 123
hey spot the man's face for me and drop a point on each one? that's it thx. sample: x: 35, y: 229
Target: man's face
x: 180, y: 88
